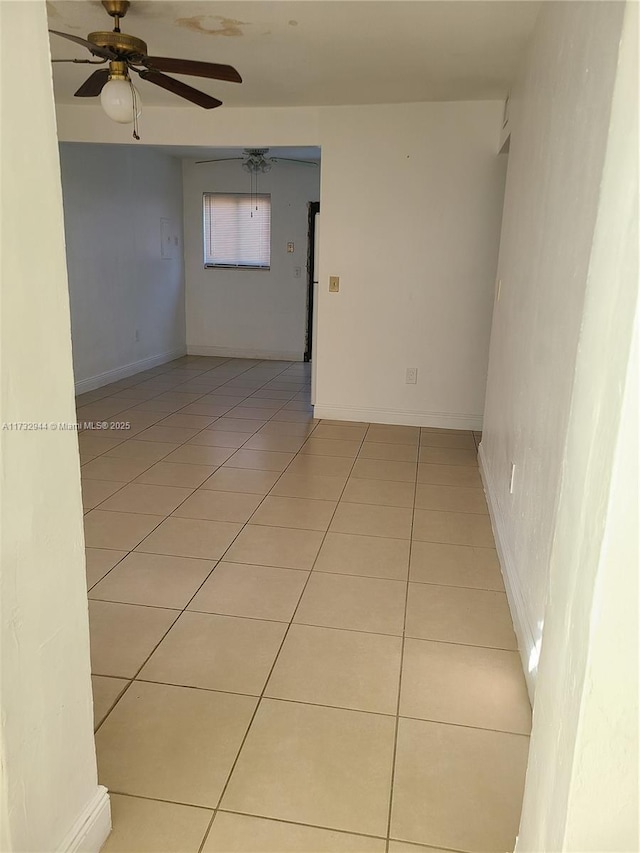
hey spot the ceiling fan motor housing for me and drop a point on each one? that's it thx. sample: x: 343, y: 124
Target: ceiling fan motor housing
x: 123, y: 44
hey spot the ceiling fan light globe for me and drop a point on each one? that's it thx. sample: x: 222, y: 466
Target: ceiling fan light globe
x: 117, y: 100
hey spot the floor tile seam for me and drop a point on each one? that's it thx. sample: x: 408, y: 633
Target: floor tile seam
x: 215, y: 469
x: 115, y: 701
x: 146, y: 536
x: 284, y: 699
x: 456, y: 585
x: 98, y: 505
x: 299, y: 823
x: 275, y: 661
x: 456, y: 511
x: 448, y: 542
x: 186, y: 609
x: 152, y: 485
x: 129, y: 459
x: 165, y: 634
x: 342, y: 628
x: 306, y: 702
x: 177, y: 411
x: 160, y: 800
x: 243, y: 525
x: 253, y: 716
x: 308, y: 529
x: 89, y: 588
x: 166, y: 369
x: 467, y: 726
x: 451, y: 586
x: 400, y: 674
x: 452, y: 512
x: 255, y: 711
x: 153, y: 397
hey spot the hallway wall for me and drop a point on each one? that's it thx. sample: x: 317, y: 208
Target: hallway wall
x: 559, y: 115
x: 582, y: 781
x: 127, y: 300
x: 49, y: 795
x: 249, y: 313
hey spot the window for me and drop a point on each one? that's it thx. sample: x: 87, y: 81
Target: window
x: 237, y: 230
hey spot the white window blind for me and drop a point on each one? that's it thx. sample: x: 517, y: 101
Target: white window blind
x: 237, y: 230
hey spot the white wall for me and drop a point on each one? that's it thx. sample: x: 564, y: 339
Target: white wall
x: 120, y: 285
x: 581, y: 792
x: 48, y: 789
x: 411, y: 206
x: 253, y: 313
x: 559, y: 116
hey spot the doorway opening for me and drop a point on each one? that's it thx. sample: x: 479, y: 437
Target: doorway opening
x: 312, y: 274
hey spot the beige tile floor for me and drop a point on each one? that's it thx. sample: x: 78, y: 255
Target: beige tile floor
x: 300, y: 637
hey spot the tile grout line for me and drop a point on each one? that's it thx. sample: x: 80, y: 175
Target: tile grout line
x: 216, y: 468
x: 164, y: 635
x: 402, y: 648
x: 266, y: 682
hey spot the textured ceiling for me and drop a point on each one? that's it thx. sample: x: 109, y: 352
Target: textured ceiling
x: 305, y: 52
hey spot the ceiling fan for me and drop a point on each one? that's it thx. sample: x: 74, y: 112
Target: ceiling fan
x: 126, y: 53
x: 255, y: 160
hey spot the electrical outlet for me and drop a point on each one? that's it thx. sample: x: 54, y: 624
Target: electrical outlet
x: 512, y: 479
x: 334, y: 283
x: 297, y: 272
x: 411, y: 377
x: 290, y: 248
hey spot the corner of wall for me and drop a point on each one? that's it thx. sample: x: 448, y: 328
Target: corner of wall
x: 92, y: 828
x: 527, y: 646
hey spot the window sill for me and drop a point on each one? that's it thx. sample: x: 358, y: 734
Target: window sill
x: 234, y: 267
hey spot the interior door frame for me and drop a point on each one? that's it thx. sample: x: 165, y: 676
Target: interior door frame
x: 313, y: 208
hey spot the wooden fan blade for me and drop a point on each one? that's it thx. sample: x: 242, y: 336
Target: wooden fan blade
x: 291, y: 160
x: 219, y: 160
x: 181, y: 89
x: 94, y: 84
x: 105, y: 52
x: 192, y: 68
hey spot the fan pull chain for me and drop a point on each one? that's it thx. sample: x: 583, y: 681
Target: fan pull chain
x: 136, y: 111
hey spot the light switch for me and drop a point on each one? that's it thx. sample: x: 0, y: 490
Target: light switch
x: 334, y: 283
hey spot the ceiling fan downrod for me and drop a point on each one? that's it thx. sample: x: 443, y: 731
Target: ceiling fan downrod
x: 117, y: 9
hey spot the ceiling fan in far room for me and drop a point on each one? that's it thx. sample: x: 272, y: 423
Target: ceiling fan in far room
x: 256, y: 162
x: 124, y: 53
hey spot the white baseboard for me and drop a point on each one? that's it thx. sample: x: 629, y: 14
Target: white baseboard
x: 93, y: 382
x: 234, y: 352
x: 443, y: 420
x: 92, y: 828
x: 515, y: 597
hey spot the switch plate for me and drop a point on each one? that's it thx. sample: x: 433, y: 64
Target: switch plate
x: 412, y: 376
x: 290, y: 248
x: 334, y: 283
